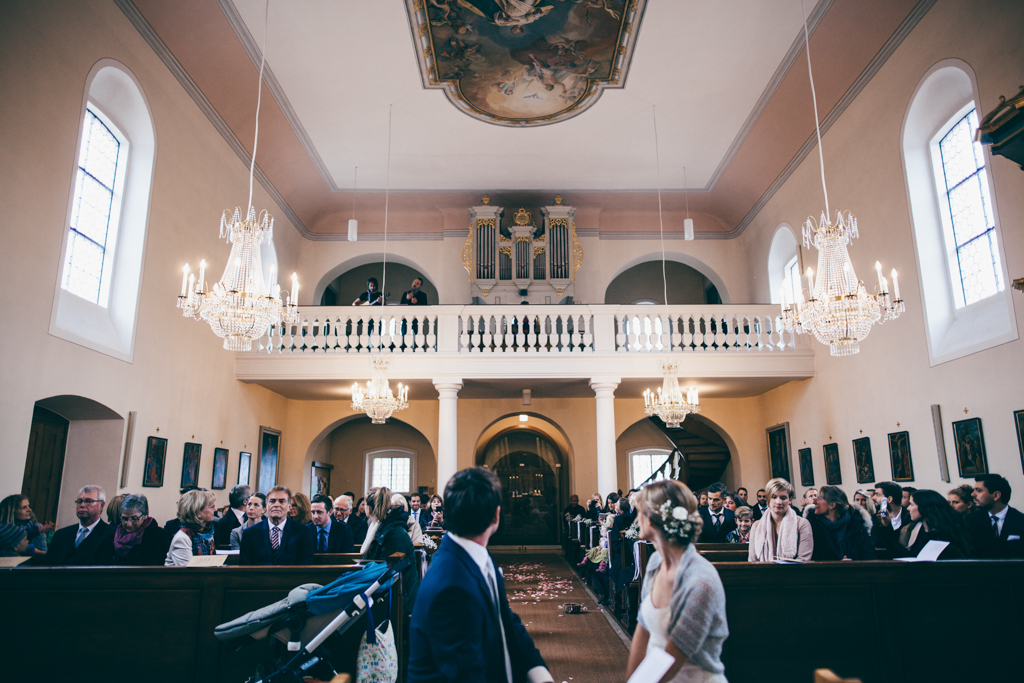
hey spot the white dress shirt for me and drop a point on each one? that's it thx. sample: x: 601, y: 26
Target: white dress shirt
x: 88, y: 530
x: 896, y: 521
x: 1001, y: 517
x: 482, y: 558
x: 240, y: 514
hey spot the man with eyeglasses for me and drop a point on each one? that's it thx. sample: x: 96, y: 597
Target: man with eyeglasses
x: 78, y: 544
x: 343, y: 514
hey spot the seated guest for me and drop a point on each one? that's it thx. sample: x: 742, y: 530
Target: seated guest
x: 733, y: 503
x: 196, y: 510
x: 343, y: 514
x: 937, y: 522
x: 809, y: 499
x: 462, y: 626
x: 172, y: 525
x: 233, y: 517
x: 996, y: 528
x: 863, y: 498
x: 436, y: 506
x: 361, y: 509
x: 744, y: 520
x: 780, y: 534
x: 574, y: 508
x: 741, y: 493
x: 16, y: 510
x: 138, y: 540
x: 682, y: 608
x: 389, y: 523
x: 331, y: 536
x: 78, y: 544
x: 960, y: 498
x: 300, y: 509
x: 414, y: 297
x: 761, y: 508
x: 840, y: 531
x: 702, y: 499
x: 594, y: 508
x: 13, y: 540
x: 417, y: 512
x: 892, y: 519
x: 718, y: 521
x: 623, y: 520
x: 113, y: 511
x: 413, y: 527
x: 278, y: 539
x: 905, y: 500
x: 610, y: 502
x: 371, y: 296
x: 255, y: 508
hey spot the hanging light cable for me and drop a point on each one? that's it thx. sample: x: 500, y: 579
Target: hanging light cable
x: 353, y: 224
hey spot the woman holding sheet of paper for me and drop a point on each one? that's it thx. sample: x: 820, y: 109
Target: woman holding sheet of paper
x: 681, y: 625
x: 939, y: 522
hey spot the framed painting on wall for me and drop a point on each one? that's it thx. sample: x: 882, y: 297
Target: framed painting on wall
x: 270, y: 449
x: 220, y: 469
x: 244, y: 463
x: 833, y: 472
x: 806, y: 467
x: 970, y: 447
x: 320, y: 479
x: 778, y: 451
x: 190, y: 464
x: 899, y: 455
x: 156, y: 457
x: 1018, y: 421
x: 862, y: 460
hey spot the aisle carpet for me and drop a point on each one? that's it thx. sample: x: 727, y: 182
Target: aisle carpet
x: 578, y: 648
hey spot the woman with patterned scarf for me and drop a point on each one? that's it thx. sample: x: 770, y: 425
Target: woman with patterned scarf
x: 137, y: 540
x: 196, y: 511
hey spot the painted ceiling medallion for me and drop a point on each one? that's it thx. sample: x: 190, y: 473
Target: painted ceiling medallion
x: 524, y: 62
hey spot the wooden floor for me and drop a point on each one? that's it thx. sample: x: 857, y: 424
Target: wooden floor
x: 578, y: 648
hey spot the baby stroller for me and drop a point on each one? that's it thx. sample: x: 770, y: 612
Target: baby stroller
x: 310, y: 620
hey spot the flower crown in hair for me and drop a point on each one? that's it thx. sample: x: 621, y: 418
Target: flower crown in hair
x: 677, y: 522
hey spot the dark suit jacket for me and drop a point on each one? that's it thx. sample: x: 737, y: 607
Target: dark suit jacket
x: 418, y: 299
x: 985, y: 544
x: 297, y: 545
x: 708, y: 533
x: 339, y: 540
x: 359, y: 528
x: 62, y: 550
x: 755, y: 512
x: 454, y: 632
x: 883, y: 535
x: 425, y: 517
x: 222, y: 529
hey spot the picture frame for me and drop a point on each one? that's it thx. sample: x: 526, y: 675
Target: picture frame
x: 156, y: 460
x: 806, y: 466
x: 1018, y: 421
x: 268, y: 458
x: 244, y: 466
x: 778, y: 451
x: 320, y: 479
x: 190, y: 464
x: 833, y: 469
x: 899, y: 456
x: 862, y: 461
x: 970, y: 447
x: 220, y: 469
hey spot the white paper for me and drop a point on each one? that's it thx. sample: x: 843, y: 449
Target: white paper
x: 206, y: 560
x: 227, y: 552
x: 930, y: 552
x: 655, y: 665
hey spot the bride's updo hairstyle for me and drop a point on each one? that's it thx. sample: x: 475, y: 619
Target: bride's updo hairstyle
x: 671, y: 508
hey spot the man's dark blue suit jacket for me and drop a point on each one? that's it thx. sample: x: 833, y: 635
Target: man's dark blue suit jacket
x: 339, y: 538
x: 708, y: 533
x: 454, y: 633
x: 297, y: 545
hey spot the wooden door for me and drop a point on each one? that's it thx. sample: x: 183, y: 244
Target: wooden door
x: 44, y: 463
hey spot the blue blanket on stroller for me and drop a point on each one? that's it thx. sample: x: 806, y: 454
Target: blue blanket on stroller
x: 339, y: 593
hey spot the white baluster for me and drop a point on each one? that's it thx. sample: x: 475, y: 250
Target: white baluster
x: 464, y: 333
x: 588, y: 333
x: 430, y: 336
x: 563, y: 336
x: 521, y: 322
x: 621, y: 339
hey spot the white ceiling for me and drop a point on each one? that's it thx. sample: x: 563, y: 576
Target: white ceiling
x: 341, y: 63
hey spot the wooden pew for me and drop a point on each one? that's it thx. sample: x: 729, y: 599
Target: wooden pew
x: 149, y: 623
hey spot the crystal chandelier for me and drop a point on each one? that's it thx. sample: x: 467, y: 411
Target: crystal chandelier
x: 840, y: 312
x: 668, y: 402
x: 377, y: 401
x: 239, y: 308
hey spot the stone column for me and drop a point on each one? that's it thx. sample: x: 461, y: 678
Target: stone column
x: 447, y: 430
x: 607, y: 467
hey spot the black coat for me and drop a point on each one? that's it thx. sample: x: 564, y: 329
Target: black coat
x: 393, y: 537
x: 222, y: 529
x: 150, y: 552
x: 856, y: 543
x: 339, y: 539
x: 986, y: 546
x: 359, y: 528
x: 883, y: 535
x: 950, y: 552
x: 62, y: 550
x: 708, y: 534
x: 297, y: 544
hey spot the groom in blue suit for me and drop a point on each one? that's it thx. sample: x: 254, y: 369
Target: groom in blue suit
x: 462, y: 626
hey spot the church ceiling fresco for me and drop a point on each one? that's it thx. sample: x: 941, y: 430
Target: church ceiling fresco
x: 524, y: 62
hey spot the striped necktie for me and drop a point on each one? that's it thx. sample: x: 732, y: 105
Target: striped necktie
x: 275, y: 538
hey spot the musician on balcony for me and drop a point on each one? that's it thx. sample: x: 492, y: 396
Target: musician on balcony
x: 414, y: 297
x: 372, y: 295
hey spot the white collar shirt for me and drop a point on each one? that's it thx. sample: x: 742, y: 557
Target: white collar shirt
x: 240, y: 514
x: 896, y: 521
x: 280, y: 527
x: 93, y: 526
x: 1000, y: 516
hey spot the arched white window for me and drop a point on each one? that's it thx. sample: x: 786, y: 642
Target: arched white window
x: 955, y: 218
x: 394, y: 468
x: 643, y: 462
x: 783, y: 264
x: 97, y: 292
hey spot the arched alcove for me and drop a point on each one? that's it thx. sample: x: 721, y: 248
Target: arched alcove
x: 346, y: 444
x: 780, y: 255
x: 75, y: 441
x: 675, y: 257
x: 643, y: 284
x: 401, y: 271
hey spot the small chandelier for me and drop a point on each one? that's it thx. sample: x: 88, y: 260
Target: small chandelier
x: 239, y: 308
x: 668, y: 402
x: 377, y: 401
x: 840, y: 312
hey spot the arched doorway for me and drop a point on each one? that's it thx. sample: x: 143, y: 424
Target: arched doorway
x: 529, y: 466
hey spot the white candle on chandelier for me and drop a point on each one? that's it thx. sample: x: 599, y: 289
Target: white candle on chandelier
x: 895, y: 285
x: 810, y: 283
x: 273, y: 275
x: 184, y: 280
x: 191, y: 285
x: 202, y: 275
x: 881, y: 280
x: 295, y: 289
x: 275, y: 291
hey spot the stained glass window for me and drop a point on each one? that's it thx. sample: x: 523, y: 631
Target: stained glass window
x: 977, y: 273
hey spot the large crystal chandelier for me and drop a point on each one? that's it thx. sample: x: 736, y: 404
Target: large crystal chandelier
x: 377, y: 401
x: 839, y: 312
x: 668, y: 402
x: 241, y: 306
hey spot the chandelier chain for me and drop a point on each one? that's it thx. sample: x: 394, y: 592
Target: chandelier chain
x: 814, y: 98
x: 384, y: 264
x: 259, y: 99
